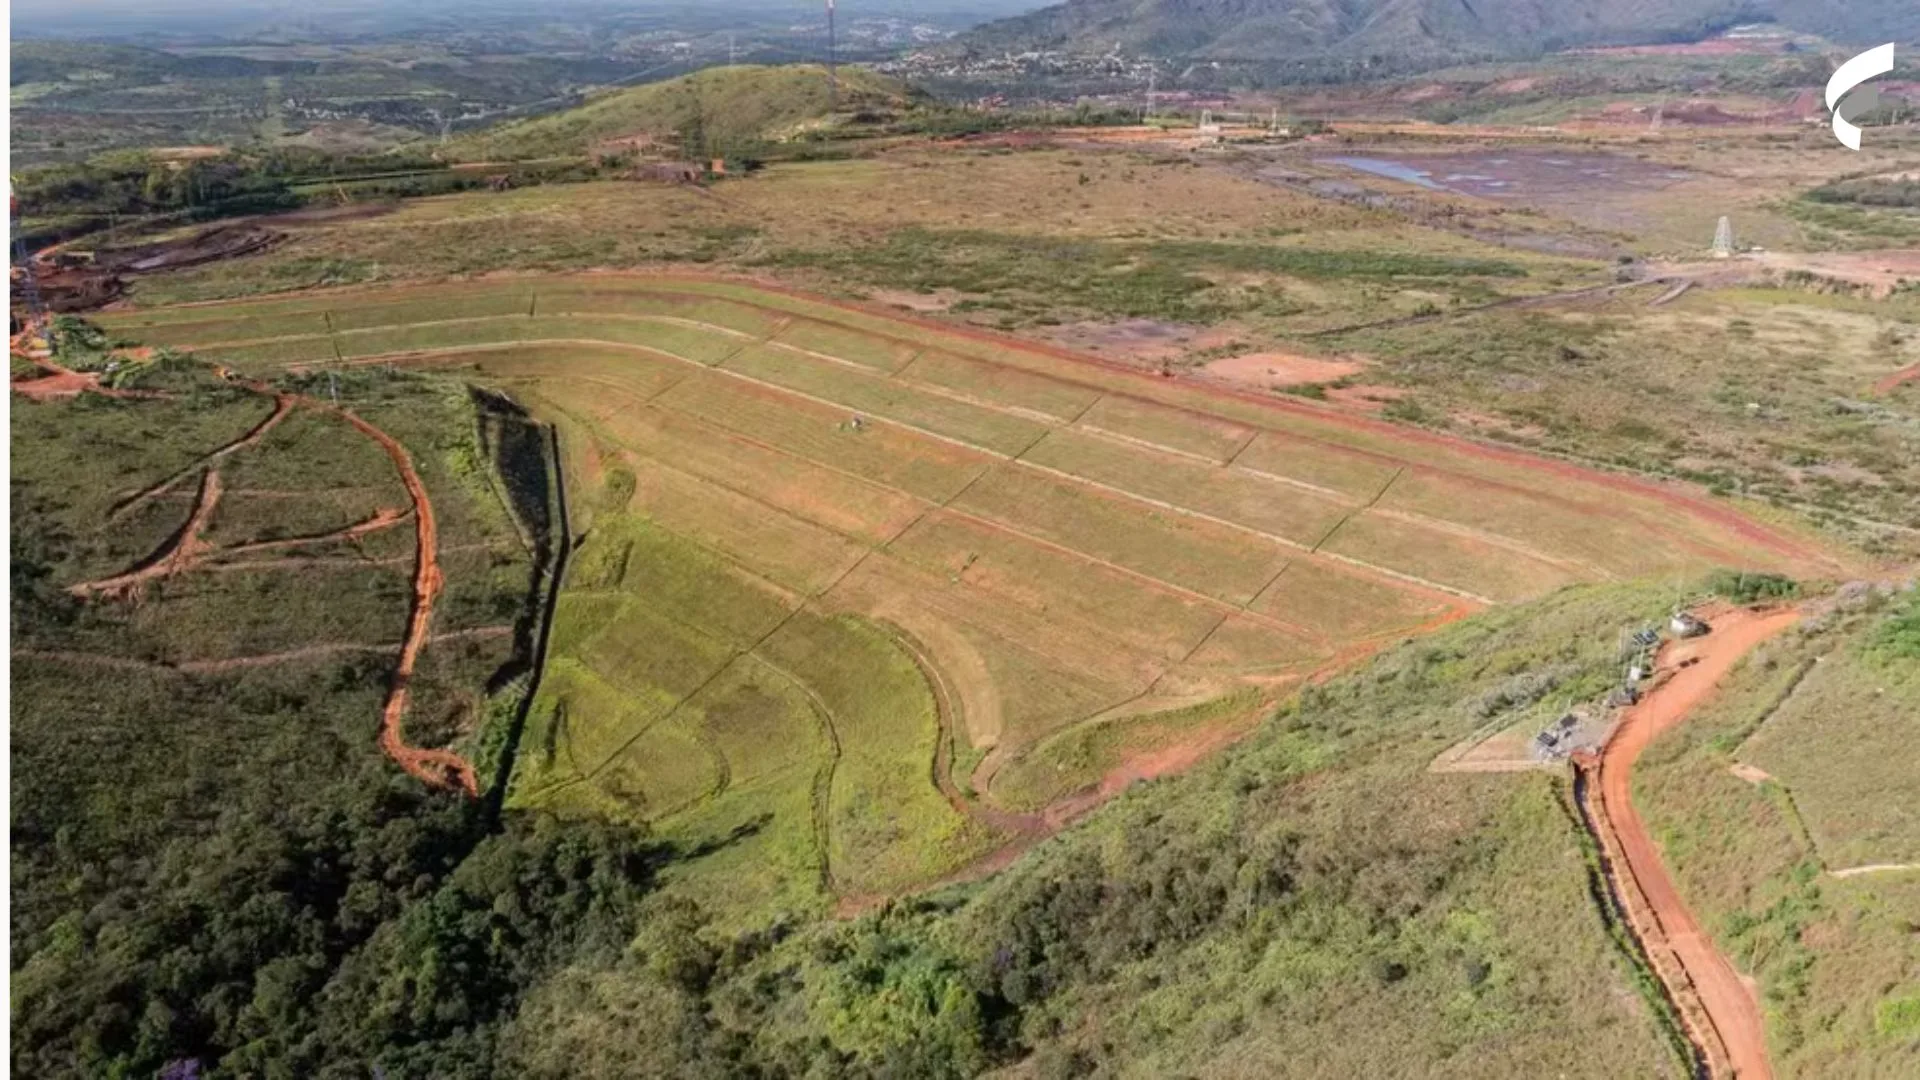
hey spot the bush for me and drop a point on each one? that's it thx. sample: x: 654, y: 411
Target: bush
x: 1747, y: 587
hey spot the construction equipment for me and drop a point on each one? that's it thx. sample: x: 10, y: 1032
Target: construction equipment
x: 1686, y: 624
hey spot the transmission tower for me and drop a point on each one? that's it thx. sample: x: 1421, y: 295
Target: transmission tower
x: 833, y: 77
x: 29, y: 284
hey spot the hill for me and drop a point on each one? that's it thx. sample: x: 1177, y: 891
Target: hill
x: 1407, y: 33
x: 721, y: 109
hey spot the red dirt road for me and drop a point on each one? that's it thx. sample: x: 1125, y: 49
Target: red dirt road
x: 436, y: 768
x: 1894, y: 381
x: 1706, y: 982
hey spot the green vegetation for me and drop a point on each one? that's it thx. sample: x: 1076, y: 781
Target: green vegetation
x: 1055, y: 276
x: 216, y: 869
x: 1273, y: 911
x: 688, y: 695
x: 1782, y: 416
x: 1869, y: 191
x: 729, y: 112
x: 1746, y: 589
x: 1824, y: 714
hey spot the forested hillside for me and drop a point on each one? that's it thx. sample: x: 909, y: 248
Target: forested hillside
x: 1399, y: 33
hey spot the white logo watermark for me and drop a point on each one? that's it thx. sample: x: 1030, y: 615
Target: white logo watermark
x: 1870, y: 64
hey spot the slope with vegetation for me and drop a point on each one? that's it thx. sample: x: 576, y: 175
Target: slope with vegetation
x: 215, y: 867
x: 1787, y: 810
x: 1328, y: 38
x: 719, y: 112
x: 1312, y: 903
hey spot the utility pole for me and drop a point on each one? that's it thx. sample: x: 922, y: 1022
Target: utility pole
x: 833, y: 78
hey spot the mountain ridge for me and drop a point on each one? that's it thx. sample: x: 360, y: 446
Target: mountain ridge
x: 1398, y: 31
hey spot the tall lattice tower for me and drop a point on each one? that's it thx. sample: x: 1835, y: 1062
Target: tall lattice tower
x: 833, y: 75
x: 23, y: 279
x: 1723, y: 239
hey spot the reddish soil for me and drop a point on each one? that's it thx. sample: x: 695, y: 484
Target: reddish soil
x: 435, y: 768
x: 1695, y: 505
x: 1273, y: 369
x: 384, y: 518
x: 62, y: 382
x: 1147, y: 343
x: 180, y: 551
x: 1880, y: 272
x: 1716, y: 1003
x: 1899, y: 378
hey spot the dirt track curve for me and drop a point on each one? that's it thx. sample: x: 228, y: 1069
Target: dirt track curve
x: 436, y: 768
x: 433, y: 767
x: 1717, y: 1005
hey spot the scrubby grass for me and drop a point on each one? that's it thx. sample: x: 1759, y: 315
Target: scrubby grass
x: 188, y: 836
x: 1188, y: 432
x: 822, y: 433
x: 1833, y: 956
x: 1273, y: 911
x: 1458, y: 562
x: 889, y: 829
x: 1759, y: 392
x: 1238, y: 496
x: 972, y: 425
x: 882, y: 354
x: 1057, y: 585
x: 721, y: 109
x: 812, y: 491
x: 1331, y: 467
x: 1000, y: 385
x: 787, y: 550
x: 1169, y: 279
x: 1189, y: 552
x: 1079, y: 757
x: 1341, y: 604
x: 705, y: 697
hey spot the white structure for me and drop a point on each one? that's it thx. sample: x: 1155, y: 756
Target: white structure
x: 1723, y: 239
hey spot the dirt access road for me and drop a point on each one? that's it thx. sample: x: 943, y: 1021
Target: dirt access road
x: 1716, y: 1003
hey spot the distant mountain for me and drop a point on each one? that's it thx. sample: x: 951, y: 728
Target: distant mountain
x: 1404, y: 33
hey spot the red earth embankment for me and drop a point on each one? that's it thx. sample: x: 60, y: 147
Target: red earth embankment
x: 1717, y: 1005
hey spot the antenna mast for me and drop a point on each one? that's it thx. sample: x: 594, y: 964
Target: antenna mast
x: 833, y: 78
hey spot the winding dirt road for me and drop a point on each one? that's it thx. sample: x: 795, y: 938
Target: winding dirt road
x: 1716, y: 1003
x: 436, y: 768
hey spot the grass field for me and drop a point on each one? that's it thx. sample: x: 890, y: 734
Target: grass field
x: 1825, y: 713
x: 874, y: 530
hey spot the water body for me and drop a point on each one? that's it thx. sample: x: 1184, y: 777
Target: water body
x: 1545, y: 177
x: 1392, y: 170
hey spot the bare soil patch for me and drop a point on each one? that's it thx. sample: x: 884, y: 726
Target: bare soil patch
x: 1880, y: 271
x: 1276, y: 369
x: 1365, y: 397
x: 1140, y: 342
x: 927, y: 303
